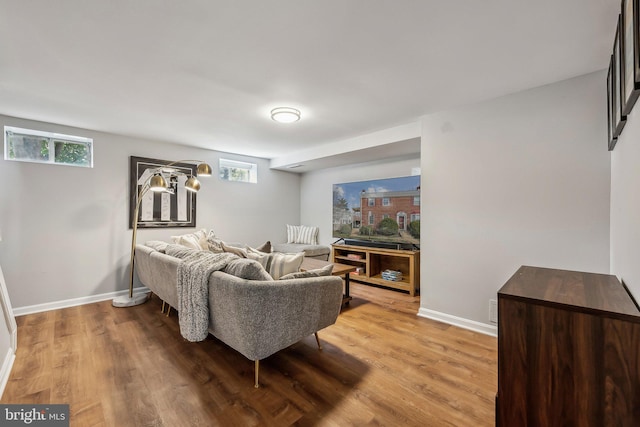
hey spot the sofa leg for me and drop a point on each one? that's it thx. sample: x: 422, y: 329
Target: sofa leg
x: 256, y: 373
x: 162, y: 309
x: 318, y: 341
x: 168, y: 311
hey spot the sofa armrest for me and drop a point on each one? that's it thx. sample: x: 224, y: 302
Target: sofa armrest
x: 259, y: 318
x: 158, y: 272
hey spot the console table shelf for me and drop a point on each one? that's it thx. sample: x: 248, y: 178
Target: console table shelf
x: 371, y: 262
x: 344, y: 258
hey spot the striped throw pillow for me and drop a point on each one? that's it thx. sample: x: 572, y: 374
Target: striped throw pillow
x: 307, y: 235
x: 292, y: 233
x: 279, y: 264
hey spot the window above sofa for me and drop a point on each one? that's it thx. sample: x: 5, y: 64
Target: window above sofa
x: 234, y: 170
x: 25, y: 145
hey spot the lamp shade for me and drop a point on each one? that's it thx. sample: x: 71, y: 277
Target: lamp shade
x: 204, y: 170
x: 157, y: 183
x: 192, y: 184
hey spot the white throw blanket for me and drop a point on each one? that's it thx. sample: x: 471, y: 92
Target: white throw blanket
x: 193, y: 289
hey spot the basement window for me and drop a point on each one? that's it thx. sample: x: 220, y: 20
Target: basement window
x: 25, y: 145
x: 233, y: 170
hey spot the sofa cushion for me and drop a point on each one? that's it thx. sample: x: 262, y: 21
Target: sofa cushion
x: 309, y: 250
x: 278, y: 264
x: 245, y: 268
x: 324, y: 271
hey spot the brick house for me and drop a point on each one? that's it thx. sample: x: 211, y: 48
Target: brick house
x: 402, y: 206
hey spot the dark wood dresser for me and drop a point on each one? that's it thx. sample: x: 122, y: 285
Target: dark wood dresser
x: 568, y: 350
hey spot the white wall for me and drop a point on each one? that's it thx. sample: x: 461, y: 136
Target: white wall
x: 64, y: 229
x: 519, y: 180
x: 316, y: 189
x: 625, y: 204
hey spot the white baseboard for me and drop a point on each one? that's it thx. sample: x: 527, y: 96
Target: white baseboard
x: 461, y: 322
x: 5, y: 370
x: 38, y: 308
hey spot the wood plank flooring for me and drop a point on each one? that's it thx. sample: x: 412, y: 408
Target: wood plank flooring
x: 381, y: 365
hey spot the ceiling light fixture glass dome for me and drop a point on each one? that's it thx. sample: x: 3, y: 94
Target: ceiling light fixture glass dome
x: 285, y: 115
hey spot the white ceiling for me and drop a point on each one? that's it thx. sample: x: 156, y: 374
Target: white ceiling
x: 207, y: 72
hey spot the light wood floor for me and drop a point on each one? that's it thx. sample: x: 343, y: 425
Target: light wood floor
x: 381, y: 365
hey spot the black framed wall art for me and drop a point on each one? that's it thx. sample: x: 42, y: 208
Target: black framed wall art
x: 619, y: 119
x: 630, y: 66
x: 611, y: 105
x: 173, y: 208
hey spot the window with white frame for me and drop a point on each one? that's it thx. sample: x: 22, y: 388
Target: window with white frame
x: 415, y: 217
x: 416, y: 200
x: 371, y: 202
x: 26, y: 145
x: 234, y: 170
x: 371, y: 218
x: 386, y: 201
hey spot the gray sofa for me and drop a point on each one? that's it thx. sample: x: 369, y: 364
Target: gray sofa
x: 256, y: 318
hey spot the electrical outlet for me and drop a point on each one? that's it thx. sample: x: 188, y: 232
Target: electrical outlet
x: 493, y: 311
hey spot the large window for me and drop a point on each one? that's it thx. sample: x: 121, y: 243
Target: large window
x: 233, y: 170
x: 25, y: 145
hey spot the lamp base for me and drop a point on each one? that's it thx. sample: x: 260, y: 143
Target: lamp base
x: 125, y: 301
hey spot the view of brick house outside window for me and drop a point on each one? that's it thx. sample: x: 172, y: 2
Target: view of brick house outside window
x: 383, y: 210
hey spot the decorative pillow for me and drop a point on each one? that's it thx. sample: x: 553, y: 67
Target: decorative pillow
x: 158, y: 245
x: 197, y: 240
x: 214, y: 244
x: 242, y: 253
x: 292, y: 233
x: 307, y: 235
x: 278, y: 264
x: 324, y: 271
x: 266, y: 247
x: 259, y: 251
x: 249, y: 269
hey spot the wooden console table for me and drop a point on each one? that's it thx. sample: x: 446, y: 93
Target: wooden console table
x: 568, y: 350
x: 371, y: 262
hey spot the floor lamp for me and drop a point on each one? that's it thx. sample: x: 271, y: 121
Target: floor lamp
x: 157, y: 182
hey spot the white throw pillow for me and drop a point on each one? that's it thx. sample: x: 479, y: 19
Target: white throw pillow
x: 197, y: 240
x: 307, y: 235
x: 241, y: 252
x: 292, y: 233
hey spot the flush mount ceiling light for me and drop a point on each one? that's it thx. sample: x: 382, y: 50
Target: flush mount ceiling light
x: 285, y: 115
